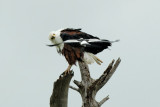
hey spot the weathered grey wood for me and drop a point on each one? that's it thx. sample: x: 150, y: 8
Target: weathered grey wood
x: 87, y: 94
x: 107, y: 74
x: 59, y: 97
x: 103, y: 100
x: 74, y: 88
x: 89, y: 87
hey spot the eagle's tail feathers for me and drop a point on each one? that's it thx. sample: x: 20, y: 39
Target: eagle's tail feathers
x: 90, y: 58
x: 96, y: 59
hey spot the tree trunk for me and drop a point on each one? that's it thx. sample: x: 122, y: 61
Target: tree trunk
x: 88, y: 97
x: 89, y: 87
x: 59, y: 97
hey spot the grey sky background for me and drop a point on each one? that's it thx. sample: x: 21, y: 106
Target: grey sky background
x: 28, y: 68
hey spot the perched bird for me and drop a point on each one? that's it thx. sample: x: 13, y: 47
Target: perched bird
x: 76, y: 45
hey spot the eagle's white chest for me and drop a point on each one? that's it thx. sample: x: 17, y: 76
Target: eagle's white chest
x: 60, y: 48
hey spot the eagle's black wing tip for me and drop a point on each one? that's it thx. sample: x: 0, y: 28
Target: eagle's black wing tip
x: 79, y: 29
x: 72, y: 29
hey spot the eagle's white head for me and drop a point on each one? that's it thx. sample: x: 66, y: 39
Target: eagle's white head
x: 52, y: 36
x: 55, y: 38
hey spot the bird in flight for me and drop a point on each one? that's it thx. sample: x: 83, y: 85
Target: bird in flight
x: 76, y: 45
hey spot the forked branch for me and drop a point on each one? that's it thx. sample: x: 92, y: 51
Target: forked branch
x: 103, y: 79
x: 89, y: 87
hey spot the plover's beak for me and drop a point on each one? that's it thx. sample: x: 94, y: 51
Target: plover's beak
x: 50, y: 45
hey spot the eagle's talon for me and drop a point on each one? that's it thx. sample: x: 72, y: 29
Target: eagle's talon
x: 68, y: 70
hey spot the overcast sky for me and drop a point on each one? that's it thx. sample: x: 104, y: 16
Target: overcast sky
x: 28, y: 67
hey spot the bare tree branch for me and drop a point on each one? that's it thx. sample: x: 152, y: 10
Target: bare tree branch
x: 103, y: 100
x: 74, y: 88
x: 77, y: 83
x: 88, y: 87
x: 99, y: 83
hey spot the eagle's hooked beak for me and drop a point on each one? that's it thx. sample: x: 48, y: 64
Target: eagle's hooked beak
x: 52, y: 37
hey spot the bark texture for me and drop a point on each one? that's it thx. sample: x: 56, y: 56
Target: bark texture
x: 88, y: 87
x: 59, y: 97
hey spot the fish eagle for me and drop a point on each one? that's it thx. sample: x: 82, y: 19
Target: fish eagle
x: 76, y: 45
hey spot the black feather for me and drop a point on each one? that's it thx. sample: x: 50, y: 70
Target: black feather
x: 69, y: 33
x: 52, y: 45
x: 93, y: 47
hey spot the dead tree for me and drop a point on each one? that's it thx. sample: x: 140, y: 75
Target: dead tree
x: 59, y: 97
x: 88, y: 87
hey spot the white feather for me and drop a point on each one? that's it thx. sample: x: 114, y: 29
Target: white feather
x: 88, y: 58
x: 94, y: 40
x: 71, y: 41
x: 84, y: 43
